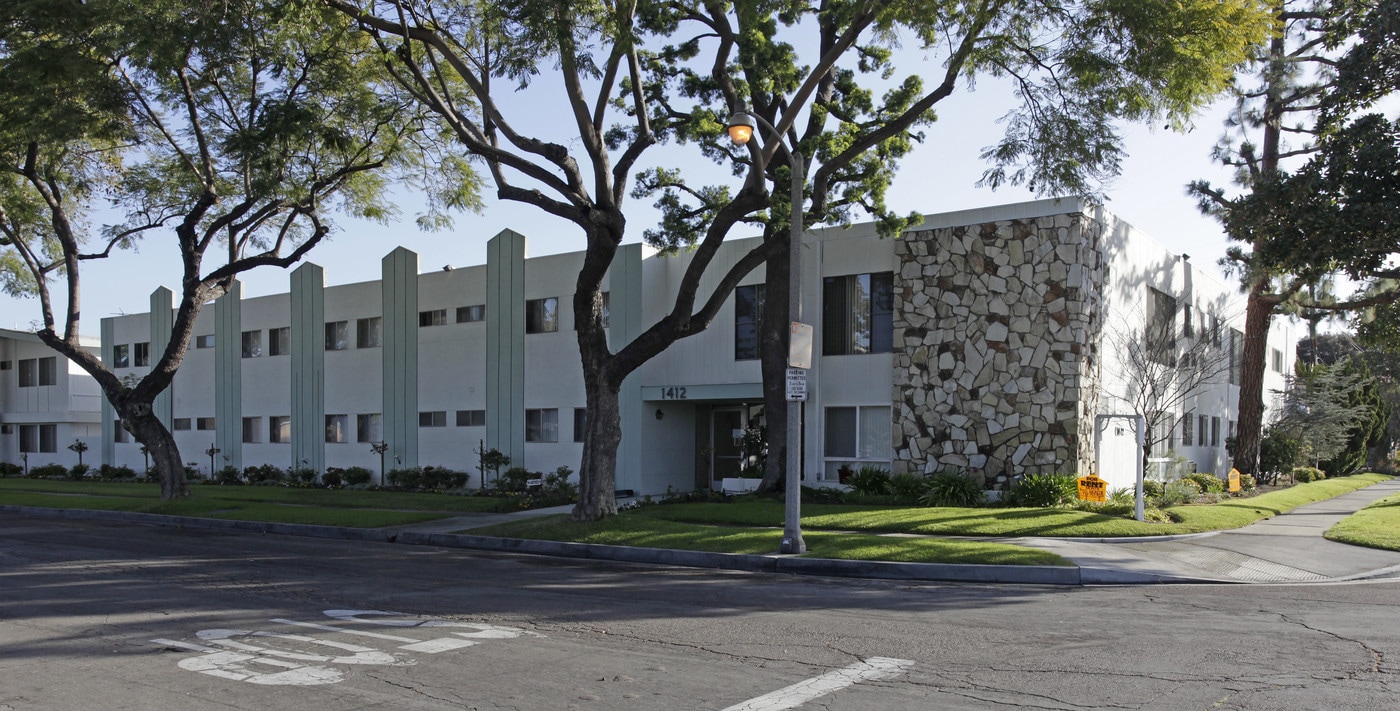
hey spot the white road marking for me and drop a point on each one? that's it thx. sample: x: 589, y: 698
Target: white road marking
x: 331, y: 628
x: 231, y: 665
x: 184, y: 645
x: 362, y: 655
x: 804, y: 691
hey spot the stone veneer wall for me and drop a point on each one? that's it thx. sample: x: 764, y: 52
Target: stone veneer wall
x: 996, y: 329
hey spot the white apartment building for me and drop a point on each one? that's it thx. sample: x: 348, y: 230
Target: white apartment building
x: 979, y: 341
x: 46, y: 403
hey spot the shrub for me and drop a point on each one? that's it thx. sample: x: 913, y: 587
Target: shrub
x: 1247, y: 482
x: 444, y: 478
x: 870, y: 481
x: 228, y: 476
x: 1044, y: 490
x: 8, y: 469
x: 823, y: 495
x: 1278, y: 451
x: 952, y: 489
x: 1152, y: 489
x: 514, y: 480
x: 1208, y: 483
x: 558, y: 484
x: 357, y: 476
x: 78, y: 471
x: 407, y: 478
x: 1303, y: 475
x: 1125, y: 495
x: 1182, y: 491
x: 331, y: 478
x: 107, y: 471
x: 908, y: 487
x: 47, y: 471
x: 262, y: 473
x: 303, y: 475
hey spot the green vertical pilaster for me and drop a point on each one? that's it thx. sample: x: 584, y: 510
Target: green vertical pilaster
x: 228, y: 378
x: 400, y: 356
x: 505, y: 345
x: 625, y: 324
x: 309, y: 367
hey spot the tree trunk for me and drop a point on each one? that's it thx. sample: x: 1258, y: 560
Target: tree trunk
x: 597, y: 480
x: 165, y: 456
x: 773, y: 353
x: 1259, y: 313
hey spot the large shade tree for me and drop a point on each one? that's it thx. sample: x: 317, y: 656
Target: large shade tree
x: 222, y: 132
x: 633, y: 74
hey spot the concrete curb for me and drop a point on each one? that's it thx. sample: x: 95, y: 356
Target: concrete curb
x: 884, y: 570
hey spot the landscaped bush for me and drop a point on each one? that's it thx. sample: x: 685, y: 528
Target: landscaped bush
x: 8, y: 469
x: 303, y: 476
x: 332, y: 478
x: 1044, y: 491
x: 1247, y: 482
x: 357, y: 476
x: 78, y: 471
x: 1278, y: 452
x: 406, y: 478
x: 1209, y: 483
x: 1181, y: 491
x: 514, y: 480
x: 952, y: 489
x: 264, y: 472
x: 870, y: 481
x: 109, y: 472
x: 444, y: 478
x: 1152, y: 488
x: 1303, y: 475
x: 823, y: 495
x: 229, y: 476
x: 908, y: 487
x: 46, y: 471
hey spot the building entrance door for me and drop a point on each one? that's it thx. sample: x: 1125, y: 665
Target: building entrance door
x: 727, y: 426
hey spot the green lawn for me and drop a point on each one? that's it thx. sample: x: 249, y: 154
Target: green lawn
x: 631, y: 529
x: 1376, y: 526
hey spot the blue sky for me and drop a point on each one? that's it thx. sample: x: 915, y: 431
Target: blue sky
x: 939, y: 176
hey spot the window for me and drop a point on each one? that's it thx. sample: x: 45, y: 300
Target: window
x: 436, y: 317
x: 121, y: 356
x: 437, y: 418
x: 1187, y: 329
x: 607, y: 309
x: 369, y: 428
x: 119, y: 433
x: 40, y: 439
x: 142, y: 353
x: 279, y: 341
x: 369, y: 332
x: 204, y: 423
x: 580, y: 422
x: 471, y: 314
x: 433, y: 318
x: 1230, y: 430
x: 1186, y: 422
x: 1202, y: 427
x: 252, y: 430
x: 180, y: 423
x: 48, y: 371
x: 1215, y: 330
x: 858, y: 433
x: 1161, y: 327
x: 748, y: 314
x: 252, y: 344
x: 1236, y: 356
x: 542, y: 315
x: 335, y: 428
x: 205, y: 341
x: 542, y: 425
x: 1277, y: 358
x: 858, y: 314
x: 279, y: 429
x: 28, y: 373
x: 471, y: 418
x: 337, y: 335
x: 1215, y: 431
x: 6, y: 365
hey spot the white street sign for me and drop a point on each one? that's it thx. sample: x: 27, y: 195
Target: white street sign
x: 796, y: 384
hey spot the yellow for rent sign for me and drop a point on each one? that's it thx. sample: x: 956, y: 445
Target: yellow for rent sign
x: 1092, y: 488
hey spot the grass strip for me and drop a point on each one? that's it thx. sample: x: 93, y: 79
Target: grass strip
x: 630, y: 529
x: 1011, y: 522
x: 1376, y: 526
x: 328, y: 498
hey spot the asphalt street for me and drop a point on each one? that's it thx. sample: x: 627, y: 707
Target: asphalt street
x: 115, y: 616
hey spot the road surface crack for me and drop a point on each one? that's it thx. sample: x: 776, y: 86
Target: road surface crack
x: 1377, y: 656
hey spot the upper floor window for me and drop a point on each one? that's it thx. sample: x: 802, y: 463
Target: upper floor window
x: 279, y: 341
x: 252, y: 344
x: 369, y: 332
x: 28, y: 373
x: 471, y: 418
x: 1161, y: 327
x: 748, y: 315
x: 142, y: 353
x: 204, y: 423
x: 436, y: 317
x: 1277, y: 359
x: 337, y: 335
x: 858, y: 314
x: 471, y: 314
x: 205, y: 341
x: 542, y: 315
x: 1236, y: 356
x: 432, y: 418
x: 121, y: 356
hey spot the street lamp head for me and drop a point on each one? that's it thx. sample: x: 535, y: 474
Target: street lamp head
x: 741, y: 127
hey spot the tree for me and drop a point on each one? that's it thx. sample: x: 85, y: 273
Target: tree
x: 674, y: 71
x: 1159, y: 373
x: 1320, y: 409
x: 1327, y: 62
x: 230, y: 128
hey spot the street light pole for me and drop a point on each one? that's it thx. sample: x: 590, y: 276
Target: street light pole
x: 741, y: 125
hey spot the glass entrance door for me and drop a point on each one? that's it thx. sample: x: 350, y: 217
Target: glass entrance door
x: 726, y: 433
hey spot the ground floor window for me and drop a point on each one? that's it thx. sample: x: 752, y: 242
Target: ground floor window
x: 856, y: 437
x: 252, y: 430
x: 40, y: 439
x: 279, y: 429
x: 542, y: 425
